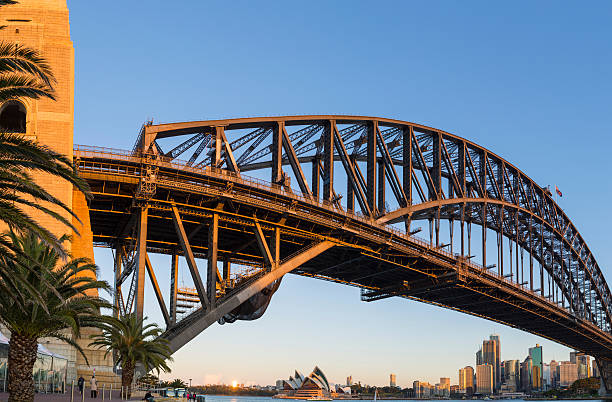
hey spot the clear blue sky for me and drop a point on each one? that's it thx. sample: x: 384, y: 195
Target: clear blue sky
x: 531, y: 81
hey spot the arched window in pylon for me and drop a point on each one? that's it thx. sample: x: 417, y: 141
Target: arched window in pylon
x: 13, y: 117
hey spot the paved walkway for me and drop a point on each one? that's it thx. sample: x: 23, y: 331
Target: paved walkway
x: 66, y: 397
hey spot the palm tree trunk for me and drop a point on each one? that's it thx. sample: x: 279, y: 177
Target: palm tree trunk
x: 127, y: 375
x: 21, y: 359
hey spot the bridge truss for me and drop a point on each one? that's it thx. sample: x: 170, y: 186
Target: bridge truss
x: 340, y: 198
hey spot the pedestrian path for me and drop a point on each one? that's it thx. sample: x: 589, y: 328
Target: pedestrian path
x: 77, y: 397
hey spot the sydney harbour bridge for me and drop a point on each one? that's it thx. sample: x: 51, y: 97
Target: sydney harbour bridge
x: 395, y: 208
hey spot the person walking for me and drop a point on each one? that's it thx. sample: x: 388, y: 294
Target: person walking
x: 81, y: 384
x: 148, y: 397
x: 94, y: 387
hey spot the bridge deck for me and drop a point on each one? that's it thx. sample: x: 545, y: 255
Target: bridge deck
x: 382, y: 261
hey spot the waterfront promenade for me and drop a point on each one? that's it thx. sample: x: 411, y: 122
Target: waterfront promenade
x: 77, y: 397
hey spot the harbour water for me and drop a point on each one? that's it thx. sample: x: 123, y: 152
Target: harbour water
x: 223, y: 398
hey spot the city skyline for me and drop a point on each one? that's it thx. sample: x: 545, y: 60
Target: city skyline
x: 351, y: 378
x: 481, y: 93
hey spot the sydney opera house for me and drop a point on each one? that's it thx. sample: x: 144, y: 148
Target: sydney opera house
x: 315, y: 386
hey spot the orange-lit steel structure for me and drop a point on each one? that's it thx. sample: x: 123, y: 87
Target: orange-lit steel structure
x: 362, y: 185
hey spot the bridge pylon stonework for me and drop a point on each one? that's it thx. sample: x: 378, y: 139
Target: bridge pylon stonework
x: 343, y: 199
x: 44, y: 25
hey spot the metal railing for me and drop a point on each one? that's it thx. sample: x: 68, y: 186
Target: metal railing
x: 179, y: 166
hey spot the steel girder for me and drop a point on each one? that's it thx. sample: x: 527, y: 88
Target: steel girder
x: 428, y: 157
x: 433, y: 176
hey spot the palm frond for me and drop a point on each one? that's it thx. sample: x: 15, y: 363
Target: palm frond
x: 16, y: 58
x: 14, y: 86
x: 22, y: 149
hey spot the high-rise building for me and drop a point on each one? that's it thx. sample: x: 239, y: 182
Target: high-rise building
x: 595, y: 369
x: 498, y: 370
x: 466, y: 380
x: 584, y: 366
x: 536, y: 378
x: 568, y: 373
x: 512, y: 375
x: 546, y: 382
x: 445, y: 386
x: 526, y: 374
x: 537, y: 361
x: 484, y: 379
x: 392, y: 380
x: 349, y: 381
x: 489, y: 356
x: 554, y: 374
x: 422, y: 389
x: 573, y: 357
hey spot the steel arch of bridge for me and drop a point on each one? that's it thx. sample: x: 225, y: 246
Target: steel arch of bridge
x: 498, y: 195
x: 392, y: 172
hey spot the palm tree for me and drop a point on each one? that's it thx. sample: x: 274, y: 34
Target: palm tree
x: 134, y: 344
x: 25, y: 74
x: 176, y: 383
x: 63, y: 308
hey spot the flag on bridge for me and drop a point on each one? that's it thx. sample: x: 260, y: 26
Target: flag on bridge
x: 558, y: 191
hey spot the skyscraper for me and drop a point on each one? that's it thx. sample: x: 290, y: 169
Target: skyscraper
x: 536, y: 378
x: 392, y: 380
x: 526, y: 374
x: 479, y: 360
x: 584, y: 366
x: 349, y: 381
x: 511, y: 374
x: 466, y: 380
x: 546, y: 382
x: 568, y: 373
x: 484, y: 378
x: 498, y: 378
x: 554, y: 374
x: 537, y: 361
x: 489, y: 356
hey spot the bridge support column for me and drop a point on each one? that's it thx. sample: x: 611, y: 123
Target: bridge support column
x: 328, y: 163
x: 140, y: 267
x: 316, y: 177
x: 173, y: 287
x: 213, y: 250
x: 605, y: 374
x: 118, y: 267
x: 227, y: 270
x: 381, y: 186
x: 371, y: 166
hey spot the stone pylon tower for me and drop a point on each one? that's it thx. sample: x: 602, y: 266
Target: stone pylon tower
x: 44, y: 25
